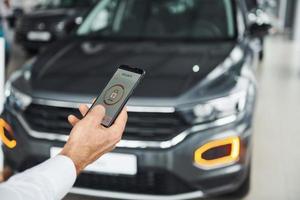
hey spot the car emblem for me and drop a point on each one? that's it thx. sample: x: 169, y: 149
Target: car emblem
x: 41, y: 26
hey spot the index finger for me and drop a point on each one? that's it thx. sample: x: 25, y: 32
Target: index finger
x: 121, y: 121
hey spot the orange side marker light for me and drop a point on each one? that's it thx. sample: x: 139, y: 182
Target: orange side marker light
x: 230, y: 144
x: 4, y: 126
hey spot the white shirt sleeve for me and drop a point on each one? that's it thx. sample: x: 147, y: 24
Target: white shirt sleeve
x: 50, y: 180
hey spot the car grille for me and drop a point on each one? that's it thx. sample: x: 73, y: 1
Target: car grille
x: 28, y: 24
x: 154, y: 181
x: 140, y: 126
x: 147, y: 181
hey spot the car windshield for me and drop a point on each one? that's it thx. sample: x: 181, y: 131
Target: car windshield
x: 53, y: 4
x: 161, y: 19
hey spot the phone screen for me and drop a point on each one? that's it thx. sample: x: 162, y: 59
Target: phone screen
x: 117, y: 92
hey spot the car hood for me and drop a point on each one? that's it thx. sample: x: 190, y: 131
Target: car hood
x: 52, y: 13
x: 85, y: 67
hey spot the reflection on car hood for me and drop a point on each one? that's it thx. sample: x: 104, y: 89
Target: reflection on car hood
x: 84, y: 67
x: 41, y: 13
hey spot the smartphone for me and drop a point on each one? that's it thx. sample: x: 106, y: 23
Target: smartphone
x: 117, y: 92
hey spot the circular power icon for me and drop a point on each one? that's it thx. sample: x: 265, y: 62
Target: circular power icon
x: 114, y: 94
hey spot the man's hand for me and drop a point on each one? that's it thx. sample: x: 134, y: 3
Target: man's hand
x: 88, y: 139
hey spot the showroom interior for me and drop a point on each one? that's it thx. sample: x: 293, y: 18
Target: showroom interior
x: 215, y: 116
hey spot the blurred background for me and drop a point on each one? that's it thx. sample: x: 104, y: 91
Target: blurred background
x: 216, y: 117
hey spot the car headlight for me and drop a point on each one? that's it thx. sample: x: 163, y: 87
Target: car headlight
x: 15, y: 98
x: 230, y: 105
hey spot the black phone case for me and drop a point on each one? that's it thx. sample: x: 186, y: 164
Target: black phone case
x: 131, y: 69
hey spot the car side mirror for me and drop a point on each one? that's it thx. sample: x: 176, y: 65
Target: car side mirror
x: 11, y: 21
x: 72, y: 24
x: 17, y: 13
x: 259, y: 30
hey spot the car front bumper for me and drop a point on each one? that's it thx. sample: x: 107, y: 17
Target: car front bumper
x: 163, y: 173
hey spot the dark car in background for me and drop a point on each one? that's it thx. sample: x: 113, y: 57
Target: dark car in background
x: 190, y: 121
x: 50, y: 21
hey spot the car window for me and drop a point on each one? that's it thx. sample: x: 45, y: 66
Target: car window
x: 191, y: 19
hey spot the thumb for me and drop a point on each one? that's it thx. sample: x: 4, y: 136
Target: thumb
x: 96, y: 115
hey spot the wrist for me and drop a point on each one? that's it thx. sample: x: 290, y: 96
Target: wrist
x: 79, y: 165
